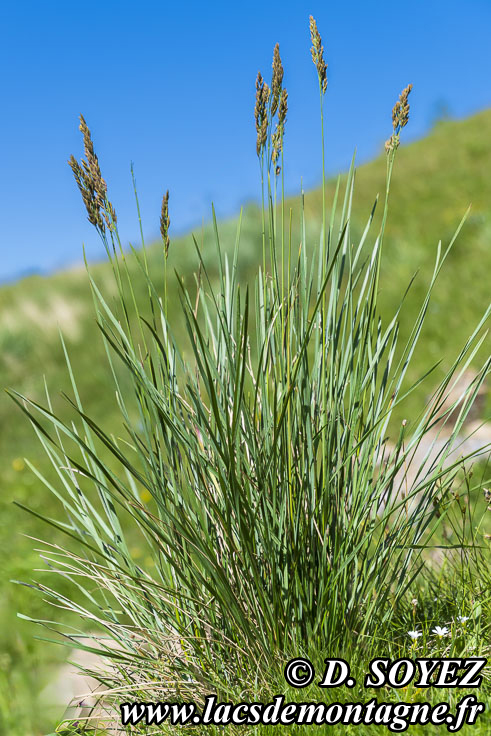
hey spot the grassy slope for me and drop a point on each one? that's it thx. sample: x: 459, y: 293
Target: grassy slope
x: 434, y: 182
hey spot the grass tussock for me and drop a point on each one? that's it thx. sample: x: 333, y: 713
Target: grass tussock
x: 282, y: 508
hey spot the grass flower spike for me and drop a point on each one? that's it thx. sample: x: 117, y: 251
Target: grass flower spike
x: 283, y: 107
x: 277, y: 137
x: 277, y: 80
x: 92, y: 186
x: 400, y: 111
x: 87, y: 191
x: 261, y: 113
x: 165, y: 223
x: 317, y: 52
x: 279, y: 103
x: 400, y: 118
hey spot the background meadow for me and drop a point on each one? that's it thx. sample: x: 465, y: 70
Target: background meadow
x: 180, y: 104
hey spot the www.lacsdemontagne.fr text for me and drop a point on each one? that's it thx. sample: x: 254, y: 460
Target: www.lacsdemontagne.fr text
x: 396, y: 717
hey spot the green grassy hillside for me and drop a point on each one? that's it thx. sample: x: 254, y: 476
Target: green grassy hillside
x: 435, y: 180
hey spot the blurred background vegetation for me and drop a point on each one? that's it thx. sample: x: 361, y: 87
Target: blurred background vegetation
x: 435, y: 180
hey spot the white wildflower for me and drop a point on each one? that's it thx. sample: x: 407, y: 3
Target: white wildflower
x: 440, y: 631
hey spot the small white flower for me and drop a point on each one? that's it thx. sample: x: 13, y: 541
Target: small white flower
x: 415, y: 634
x: 462, y: 619
x: 414, y: 602
x: 440, y: 631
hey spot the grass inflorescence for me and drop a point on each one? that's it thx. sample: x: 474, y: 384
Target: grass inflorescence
x: 400, y: 118
x: 91, y: 184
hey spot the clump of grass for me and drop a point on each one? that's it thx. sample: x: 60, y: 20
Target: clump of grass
x: 256, y: 474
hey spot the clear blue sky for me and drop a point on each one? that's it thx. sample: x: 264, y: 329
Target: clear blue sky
x: 170, y: 86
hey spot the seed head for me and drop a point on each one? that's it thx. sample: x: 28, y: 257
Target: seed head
x: 277, y: 142
x: 317, y: 52
x: 91, y: 165
x: 277, y: 137
x: 165, y: 222
x: 86, y: 187
x: 391, y: 143
x: 260, y: 113
x: 283, y: 107
x: 400, y: 117
x: 91, y: 184
x: 400, y: 112
x: 277, y: 79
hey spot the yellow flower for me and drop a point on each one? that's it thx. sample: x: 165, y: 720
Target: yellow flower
x: 18, y: 464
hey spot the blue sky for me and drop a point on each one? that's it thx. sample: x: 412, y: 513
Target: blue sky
x: 171, y: 88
